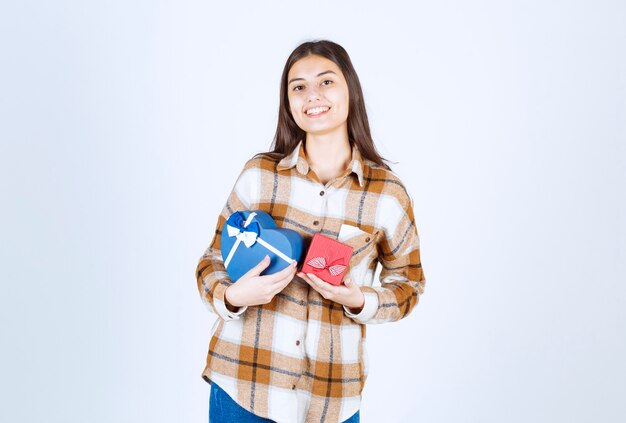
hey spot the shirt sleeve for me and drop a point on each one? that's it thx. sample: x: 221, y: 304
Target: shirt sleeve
x: 401, y: 277
x: 211, y: 274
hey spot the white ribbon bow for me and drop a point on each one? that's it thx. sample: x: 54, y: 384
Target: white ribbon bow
x: 247, y: 237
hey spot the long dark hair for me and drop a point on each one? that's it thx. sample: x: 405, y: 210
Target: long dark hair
x: 288, y: 133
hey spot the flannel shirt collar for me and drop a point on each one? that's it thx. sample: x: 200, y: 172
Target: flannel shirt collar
x: 298, y: 159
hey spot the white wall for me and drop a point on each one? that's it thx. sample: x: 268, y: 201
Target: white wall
x: 124, y: 125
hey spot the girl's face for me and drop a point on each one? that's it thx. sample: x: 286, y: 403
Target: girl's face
x: 318, y: 95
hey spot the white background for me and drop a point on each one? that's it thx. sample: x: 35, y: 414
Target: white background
x: 125, y: 123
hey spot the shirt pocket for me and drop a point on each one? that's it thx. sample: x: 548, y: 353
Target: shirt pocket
x: 355, y: 236
x: 363, y: 244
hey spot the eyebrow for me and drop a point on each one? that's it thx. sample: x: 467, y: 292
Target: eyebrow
x: 318, y: 75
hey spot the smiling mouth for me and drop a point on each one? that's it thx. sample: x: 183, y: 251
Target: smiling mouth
x: 317, y: 111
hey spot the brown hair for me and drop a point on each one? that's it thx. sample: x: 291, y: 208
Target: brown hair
x: 288, y: 133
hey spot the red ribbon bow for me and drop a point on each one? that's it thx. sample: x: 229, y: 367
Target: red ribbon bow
x: 334, y: 268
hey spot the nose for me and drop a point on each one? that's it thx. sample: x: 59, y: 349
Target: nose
x: 313, y: 94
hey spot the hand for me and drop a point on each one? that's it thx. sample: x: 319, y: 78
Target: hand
x: 348, y: 294
x: 253, y: 289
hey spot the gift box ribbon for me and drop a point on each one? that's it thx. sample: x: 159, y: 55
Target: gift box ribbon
x: 248, y: 233
x: 319, y: 263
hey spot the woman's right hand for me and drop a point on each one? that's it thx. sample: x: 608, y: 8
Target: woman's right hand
x: 253, y: 289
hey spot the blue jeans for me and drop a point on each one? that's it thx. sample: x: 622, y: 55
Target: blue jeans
x: 223, y: 409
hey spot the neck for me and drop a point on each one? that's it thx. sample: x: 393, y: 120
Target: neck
x: 328, y: 151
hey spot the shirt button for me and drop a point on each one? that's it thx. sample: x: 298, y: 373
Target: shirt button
x: 321, y: 192
x: 298, y: 342
x: 316, y: 222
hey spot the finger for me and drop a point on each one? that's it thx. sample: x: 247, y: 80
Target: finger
x: 256, y: 270
x: 309, y: 281
x: 286, y: 280
x: 306, y: 278
x: 316, y: 278
x: 282, y: 284
x: 286, y: 273
x: 278, y: 286
x: 325, y: 289
x: 320, y: 285
x: 280, y: 275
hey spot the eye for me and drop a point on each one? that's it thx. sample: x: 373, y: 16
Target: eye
x: 295, y: 88
x: 327, y: 80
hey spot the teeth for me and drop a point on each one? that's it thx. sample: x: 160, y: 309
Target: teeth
x: 316, y: 110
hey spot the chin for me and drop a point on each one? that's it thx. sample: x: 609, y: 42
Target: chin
x: 321, y: 129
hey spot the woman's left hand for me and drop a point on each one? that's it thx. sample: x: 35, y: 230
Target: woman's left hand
x: 348, y: 294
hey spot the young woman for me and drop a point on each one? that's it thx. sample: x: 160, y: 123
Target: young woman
x: 289, y: 347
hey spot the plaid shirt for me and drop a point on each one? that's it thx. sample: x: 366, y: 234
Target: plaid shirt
x: 301, y: 357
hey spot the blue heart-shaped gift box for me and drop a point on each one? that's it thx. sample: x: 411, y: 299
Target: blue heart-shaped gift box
x: 248, y: 235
